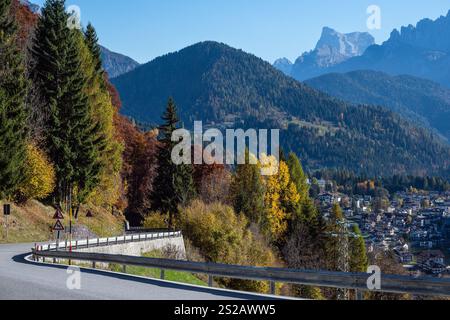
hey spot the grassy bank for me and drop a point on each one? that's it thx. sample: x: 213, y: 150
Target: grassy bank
x: 176, y: 276
x: 31, y: 222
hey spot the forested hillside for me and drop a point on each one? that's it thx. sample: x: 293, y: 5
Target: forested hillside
x: 422, y: 101
x: 218, y: 84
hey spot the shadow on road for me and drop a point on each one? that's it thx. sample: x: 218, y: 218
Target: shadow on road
x: 168, y: 285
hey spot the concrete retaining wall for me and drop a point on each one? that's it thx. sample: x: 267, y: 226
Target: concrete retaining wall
x: 174, y: 245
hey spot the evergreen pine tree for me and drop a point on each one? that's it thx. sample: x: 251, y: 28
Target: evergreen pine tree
x: 174, y: 185
x: 247, y: 191
x: 298, y: 176
x: 184, y: 185
x: 73, y: 136
x: 84, y: 133
x: 94, y: 47
x: 107, y: 190
x: 358, y: 253
x: 304, y: 248
x: 336, y: 239
x: 337, y: 248
x: 13, y: 113
x: 49, y: 54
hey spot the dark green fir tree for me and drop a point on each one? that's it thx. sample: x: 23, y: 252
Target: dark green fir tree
x: 298, y: 176
x: 13, y: 112
x: 73, y: 139
x: 92, y: 42
x: 174, y: 184
x: 358, y: 252
x: 247, y: 190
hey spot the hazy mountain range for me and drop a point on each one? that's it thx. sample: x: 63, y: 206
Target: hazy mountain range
x: 116, y: 64
x: 224, y: 86
x: 422, y: 51
x: 332, y: 48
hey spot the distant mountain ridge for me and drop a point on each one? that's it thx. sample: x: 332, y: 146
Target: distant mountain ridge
x: 422, y: 51
x: 116, y: 64
x: 226, y: 87
x: 332, y: 48
x: 420, y: 100
x: 284, y: 65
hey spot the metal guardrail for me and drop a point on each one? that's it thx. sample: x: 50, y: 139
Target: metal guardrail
x: 354, y: 281
x: 137, y: 230
x: 102, y: 242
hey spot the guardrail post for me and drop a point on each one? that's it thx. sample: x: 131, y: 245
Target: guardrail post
x: 359, y: 295
x: 87, y: 242
x: 163, y: 274
x: 65, y: 245
x: 107, y: 241
x: 272, y: 288
x: 117, y: 240
x: 93, y: 265
x: 76, y: 245
x: 124, y: 268
x: 210, y: 281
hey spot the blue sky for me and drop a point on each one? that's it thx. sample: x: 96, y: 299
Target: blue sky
x: 270, y: 29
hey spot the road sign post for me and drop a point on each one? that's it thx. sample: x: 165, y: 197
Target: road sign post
x: 58, y: 227
x: 7, y: 213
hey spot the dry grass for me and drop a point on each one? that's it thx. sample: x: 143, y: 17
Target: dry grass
x: 32, y: 222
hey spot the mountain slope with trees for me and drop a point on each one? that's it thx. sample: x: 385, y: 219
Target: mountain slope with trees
x: 420, y: 100
x: 225, y: 86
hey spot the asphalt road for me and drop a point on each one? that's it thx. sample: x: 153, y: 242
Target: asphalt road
x: 23, y: 280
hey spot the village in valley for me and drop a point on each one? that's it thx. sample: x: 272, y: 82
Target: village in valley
x: 413, y: 225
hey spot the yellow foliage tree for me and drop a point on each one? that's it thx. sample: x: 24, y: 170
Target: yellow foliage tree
x: 222, y: 236
x: 156, y: 220
x: 39, y: 175
x: 281, y: 202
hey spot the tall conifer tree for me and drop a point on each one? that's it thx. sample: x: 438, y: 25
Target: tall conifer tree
x: 84, y: 133
x: 358, y: 252
x: 247, y: 190
x: 107, y: 190
x: 298, y: 176
x: 49, y: 53
x: 174, y: 185
x: 13, y: 113
x: 73, y: 136
x: 94, y: 47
